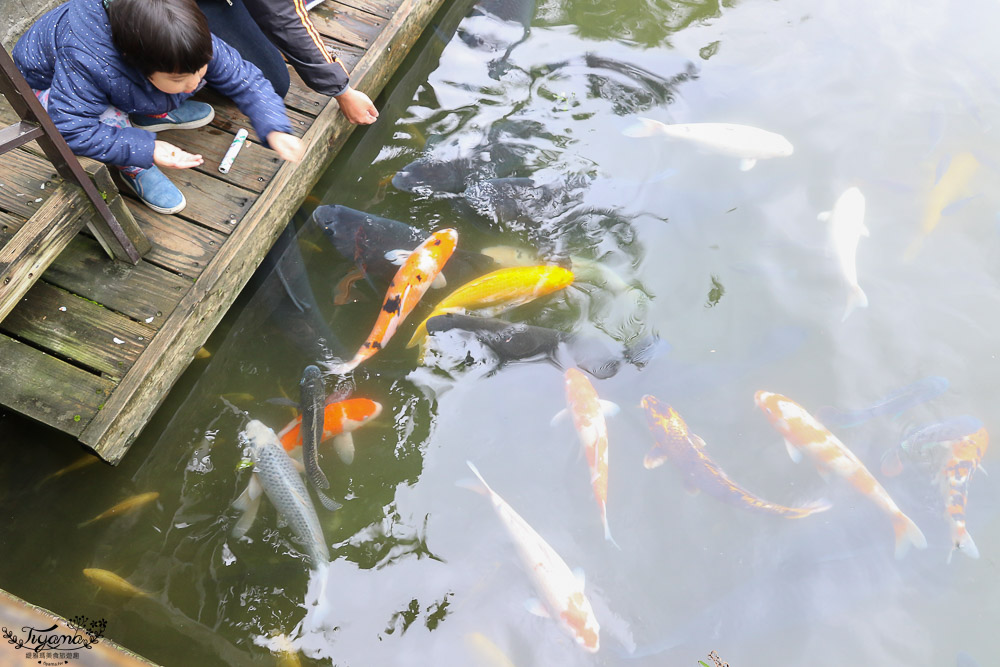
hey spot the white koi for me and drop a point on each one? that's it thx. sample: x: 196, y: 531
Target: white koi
x: 742, y: 141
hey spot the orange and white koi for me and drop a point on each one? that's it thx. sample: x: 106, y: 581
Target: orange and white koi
x: 803, y: 433
x: 675, y: 442
x: 966, y: 454
x: 413, y: 279
x: 588, y: 410
x: 560, y: 589
x: 340, y: 419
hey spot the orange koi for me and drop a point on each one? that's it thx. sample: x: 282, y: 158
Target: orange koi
x: 803, y: 433
x: 588, y: 417
x: 675, y: 442
x: 340, y: 419
x: 414, y: 278
x: 966, y: 455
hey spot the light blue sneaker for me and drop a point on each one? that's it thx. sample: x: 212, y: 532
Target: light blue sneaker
x: 187, y: 116
x: 154, y: 189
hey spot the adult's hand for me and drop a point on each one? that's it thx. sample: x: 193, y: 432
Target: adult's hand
x: 168, y: 155
x: 357, y: 107
x: 287, y: 146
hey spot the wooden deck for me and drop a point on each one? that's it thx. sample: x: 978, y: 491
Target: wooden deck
x: 94, y: 347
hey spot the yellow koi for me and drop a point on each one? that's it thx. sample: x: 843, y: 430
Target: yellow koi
x: 498, y: 291
x: 946, y: 191
x: 82, y: 462
x: 126, y: 505
x: 112, y: 583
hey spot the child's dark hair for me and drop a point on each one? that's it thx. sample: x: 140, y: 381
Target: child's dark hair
x: 168, y: 36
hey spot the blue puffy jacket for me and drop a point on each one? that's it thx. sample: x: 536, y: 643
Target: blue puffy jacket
x: 70, y: 51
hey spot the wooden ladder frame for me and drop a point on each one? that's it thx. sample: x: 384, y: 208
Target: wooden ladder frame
x: 36, y: 125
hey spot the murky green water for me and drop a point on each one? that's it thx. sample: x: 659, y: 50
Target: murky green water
x: 746, y: 294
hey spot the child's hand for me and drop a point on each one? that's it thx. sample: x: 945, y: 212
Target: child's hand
x: 287, y: 146
x: 168, y: 155
x: 357, y: 107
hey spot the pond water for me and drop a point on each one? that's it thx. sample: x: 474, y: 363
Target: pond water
x: 711, y: 283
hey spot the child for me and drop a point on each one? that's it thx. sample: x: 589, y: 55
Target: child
x: 92, y: 63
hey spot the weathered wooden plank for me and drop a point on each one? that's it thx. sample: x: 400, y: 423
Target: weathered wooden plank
x: 143, y: 292
x: 101, y: 175
x: 26, y: 181
x: 178, y: 245
x: 48, y: 389
x: 253, y: 168
x: 301, y: 98
x: 229, y: 118
x: 347, y: 24
x: 383, y: 8
x: 39, y: 240
x: 17, y: 613
x: 210, y: 202
x: 74, y: 328
x: 143, y: 388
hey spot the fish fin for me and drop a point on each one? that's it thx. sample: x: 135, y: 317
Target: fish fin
x: 342, y: 367
x: 328, y: 502
x: 439, y: 281
x: 966, y: 546
x: 609, y: 408
x: 250, y: 494
x: 746, y: 164
x: 560, y: 417
x: 580, y: 576
x: 535, y: 606
x: 479, y: 487
x: 892, y: 464
x: 856, y: 299
x: 420, y: 334
x: 643, y: 127
x: 907, y: 534
x: 654, y: 458
x: 343, y: 443
x: 824, y: 216
x: 342, y: 290
x: 696, y: 441
x: 957, y: 205
x: 982, y: 469
x: 864, y: 230
x: 607, y: 533
x: 824, y: 474
x: 793, y: 452
x: 398, y: 256
x: 300, y: 467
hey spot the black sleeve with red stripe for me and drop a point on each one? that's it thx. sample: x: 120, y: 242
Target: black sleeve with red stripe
x: 286, y: 23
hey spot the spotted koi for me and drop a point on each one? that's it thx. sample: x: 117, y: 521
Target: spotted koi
x: 803, y: 434
x: 588, y: 410
x: 412, y: 280
x: 675, y: 442
x: 966, y: 455
x: 561, y: 591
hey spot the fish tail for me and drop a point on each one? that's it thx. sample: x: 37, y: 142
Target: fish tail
x: 643, y: 127
x: 420, y: 334
x: 607, y: 532
x: 964, y: 543
x: 907, y: 534
x: 856, y: 299
x: 816, y: 506
x: 479, y: 487
x: 344, y: 367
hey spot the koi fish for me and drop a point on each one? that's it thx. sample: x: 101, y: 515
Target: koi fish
x: 560, y: 589
x: 893, y: 404
x: 129, y: 504
x: 966, y: 455
x: 313, y: 395
x: 412, y: 280
x: 675, y: 442
x: 847, y: 226
x: 585, y: 270
x: 803, y: 433
x: 274, y: 473
x: 112, y: 583
x: 949, y: 187
x: 588, y: 411
x: 340, y: 419
x: 82, y: 462
x: 498, y: 291
x: 929, y: 444
x: 742, y: 141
